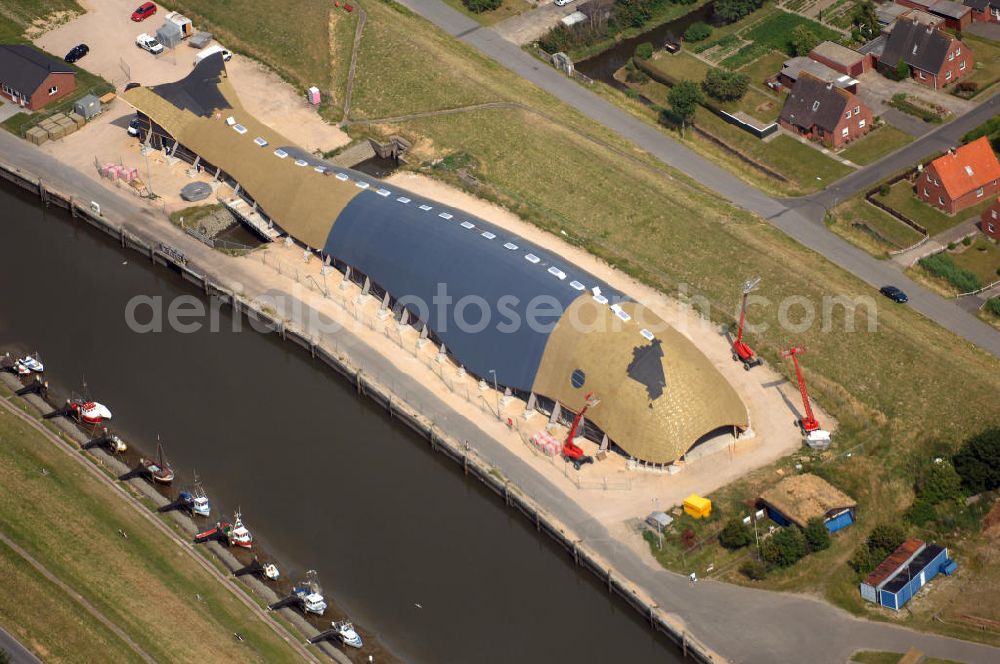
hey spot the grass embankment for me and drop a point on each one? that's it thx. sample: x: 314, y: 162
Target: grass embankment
x: 901, y: 198
x: 889, y: 389
x: 883, y: 657
x: 68, y: 521
x: 987, y: 67
x: 966, y: 268
x: 872, y: 229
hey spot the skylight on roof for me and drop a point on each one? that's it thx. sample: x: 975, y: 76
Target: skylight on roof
x: 815, y: 105
x: 556, y: 272
x: 260, y: 141
x: 301, y: 162
x: 403, y: 199
x: 968, y: 171
x: 445, y: 215
x: 342, y: 177
x: 383, y: 192
x: 647, y: 334
x: 280, y: 154
x: 239, y: 129
x: 488, y: 235
x: 360, y: 184
x: 426, y: 207
x: 531, y: 258
x: 577, y: 285
x: 510, y: 245
x: 468, y: 224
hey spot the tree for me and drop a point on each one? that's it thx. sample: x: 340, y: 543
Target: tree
x: 697, y: 31
x: 731, y: 11
x: 816, y: 534
x: 886, y: 537
x: 902, y: 70
x: 939, y: 483
x: 785, y: 547
x: 725, y: 85
x: 644, y: 51
x: 865, y: 18
x: 804, y: 40
x: 978, y: 462
x: 684, y: 99
x: 735, y: 535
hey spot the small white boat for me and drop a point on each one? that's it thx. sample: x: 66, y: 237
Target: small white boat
x: 311, y: 594
x: 200, y: 504
x: 271, y: 571
x: 315, y: 603
x: 29, y: 364
x: 348, y: 634
x: 240, y: 535
x: 116, y: 444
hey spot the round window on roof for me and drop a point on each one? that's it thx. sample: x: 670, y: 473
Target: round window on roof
x: 578, y: 378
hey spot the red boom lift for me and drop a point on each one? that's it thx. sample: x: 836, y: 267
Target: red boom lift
x: 808, y: 422
x: 571, y: 451
x: 741, y: 351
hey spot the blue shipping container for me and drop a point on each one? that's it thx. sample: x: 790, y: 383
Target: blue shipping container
x: 911, y: 578
x: 840, y: 521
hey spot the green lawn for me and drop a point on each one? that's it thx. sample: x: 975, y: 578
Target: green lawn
x: 764, y: 67
x: 506, y: 10
x: 680, y: 66
x: 875, y: 145
x: 902, y: 199
x: 726, y: 36
x: 987, y: 67
x: 982, y: 258
x: 882, y: 657
x: 871, y: 228
x: 774, y: 33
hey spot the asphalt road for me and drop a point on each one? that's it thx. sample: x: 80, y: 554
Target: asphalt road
x: 801, y: 219
x: 18, y: 653
x: 744, y: 625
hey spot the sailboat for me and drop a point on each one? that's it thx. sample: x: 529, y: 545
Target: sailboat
x: 159, y: 468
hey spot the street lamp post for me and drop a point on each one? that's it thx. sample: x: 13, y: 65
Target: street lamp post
x: 497, y: 390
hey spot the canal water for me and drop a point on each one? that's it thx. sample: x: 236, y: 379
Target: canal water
x: 602, y: 67
x: 412, y: 549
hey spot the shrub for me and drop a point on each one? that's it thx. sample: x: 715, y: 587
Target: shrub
x: 785, y: 547
x: 644, y: 51
x: 632, y: 93
x: 902, y: 72
x: 952, y: 246
x: 939, y: 483
x: 697, y: 31
x: 725, y: 85
x: 920, y: 512
x: 884, y: 190
x: 967, y: 241
x: 943, y: 266
x: 480, y: 6
x: 735, y: 535
x: 731, y: 11
x: 633, y: 74
x: 803, y: 40
x: 993, y: 304
x: 883, y: 540
x: 978, y: 462
x: 816, y: 534
x: 687, y: 538
x: 754, y: 570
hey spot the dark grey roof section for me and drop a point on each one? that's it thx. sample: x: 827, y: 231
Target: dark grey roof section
x: 875, y: 47
x: 198, y: 92
x: 916, y: 566
x: 647, y: 368
x: 814, y: 103
x: 918, y: 46
x: 978, y: 5
x: 949, y: 8
x: 24, y: 67
x: 412, y: 253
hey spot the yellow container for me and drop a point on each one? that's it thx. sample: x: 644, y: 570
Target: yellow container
x: 698, y: 507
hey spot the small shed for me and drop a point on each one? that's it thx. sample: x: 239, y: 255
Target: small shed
x: 900, y: 576
x: 698, y: 507
x: 200, y: 40
x: 87, y: 106
x: 169, y: 34
x: 182, y: 22
x: 799, y: 498
x: 659, y: 521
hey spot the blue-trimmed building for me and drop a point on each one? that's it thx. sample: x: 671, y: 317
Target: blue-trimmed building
x: 800, y: 498
x: 900, y: 576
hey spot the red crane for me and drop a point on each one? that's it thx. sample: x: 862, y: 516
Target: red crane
x: 570, y: 450
x: 741, y: 351
x: 808, y: 422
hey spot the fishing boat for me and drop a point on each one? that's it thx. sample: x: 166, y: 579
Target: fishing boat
x: 238, y: 534
x: 116, y: 444
x: 348, y: 634
x: 199, y: 503
x: 311, y: 594
x: 29, y: 364
x: 271, y: 571
x: 89, y: 412
x: 159, y: 469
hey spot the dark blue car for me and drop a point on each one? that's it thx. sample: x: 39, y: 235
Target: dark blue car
x: 894, y: 294
x: 77, y: 52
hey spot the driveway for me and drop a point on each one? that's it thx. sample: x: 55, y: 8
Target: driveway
x: 109, y: 31
x: 876, y: 90
x: 529, y: 26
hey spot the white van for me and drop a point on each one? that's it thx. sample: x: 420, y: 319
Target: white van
x: 227, y: 55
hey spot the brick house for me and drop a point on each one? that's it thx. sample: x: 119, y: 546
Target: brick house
x: 935, y: 58
x: 990, y: 220
x: 956, y: 16
x: 961, y: 178
x: 32, y: 79
x: 822, y: 111
x: 842, y: 59
x: 984, y: 11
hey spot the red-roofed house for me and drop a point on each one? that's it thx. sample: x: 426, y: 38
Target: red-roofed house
x: 991, y: 220
x: 961, y: 178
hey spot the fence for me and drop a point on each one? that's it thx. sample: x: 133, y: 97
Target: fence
x: 471, y: 461
x: 870, y: 197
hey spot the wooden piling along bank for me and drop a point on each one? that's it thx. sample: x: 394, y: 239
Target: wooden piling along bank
x: 397, y: 408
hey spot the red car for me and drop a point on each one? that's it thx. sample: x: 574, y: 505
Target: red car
x: 144, y: 11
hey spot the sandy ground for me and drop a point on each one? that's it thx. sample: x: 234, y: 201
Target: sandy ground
x: 107, y: 28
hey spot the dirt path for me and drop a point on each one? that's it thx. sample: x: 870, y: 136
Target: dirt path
x: 354, y: 62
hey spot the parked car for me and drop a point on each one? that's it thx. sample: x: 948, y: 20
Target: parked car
x: 149, y: 43
x: 133, y: 127
x: 561, y: 3
x: 77, y: 52
x: 227, y: 55
x: 894, y: 294
x: 144, y: 11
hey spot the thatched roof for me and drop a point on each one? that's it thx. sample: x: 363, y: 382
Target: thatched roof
x: 802, y: 497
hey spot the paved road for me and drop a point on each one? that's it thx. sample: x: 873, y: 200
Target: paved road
x: 18, y: 653
x: 801, y: 219
x: 740, y: 623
